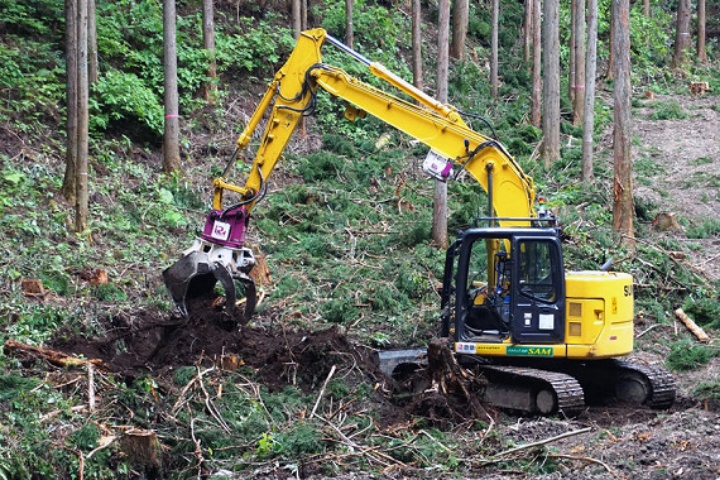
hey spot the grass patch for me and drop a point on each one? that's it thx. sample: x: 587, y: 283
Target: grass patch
x: 708, y: 228
x: 698, y: 162
x: 686, y: 355
x: 670, y: 110
x: 707, y: 390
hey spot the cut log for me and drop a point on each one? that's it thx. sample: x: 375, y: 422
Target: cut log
x: 692, y: 326
x: 32, y: 287
x: 53, y: 356
x: 143, y: 450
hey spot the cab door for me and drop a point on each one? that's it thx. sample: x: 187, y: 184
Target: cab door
x: 538, y: 291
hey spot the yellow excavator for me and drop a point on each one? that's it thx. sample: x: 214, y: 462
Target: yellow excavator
x: 547, y: 339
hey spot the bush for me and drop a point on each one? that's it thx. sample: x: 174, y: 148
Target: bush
x: 686, y: 355
x: 671, y: 110
x: 124, y: 96
x: 705, y: 311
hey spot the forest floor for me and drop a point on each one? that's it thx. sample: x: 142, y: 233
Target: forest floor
x: 602, y: 442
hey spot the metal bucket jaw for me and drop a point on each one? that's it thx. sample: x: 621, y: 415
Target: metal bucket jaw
x: 205, y: 264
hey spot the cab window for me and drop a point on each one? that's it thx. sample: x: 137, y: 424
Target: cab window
x: 537, y: 270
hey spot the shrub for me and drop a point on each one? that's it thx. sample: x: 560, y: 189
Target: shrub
x: 686, y: 355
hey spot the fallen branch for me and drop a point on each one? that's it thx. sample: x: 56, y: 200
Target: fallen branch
x: 322, y: 391
x: 211, y: 408
x: 91, y: 387
x: 587, y: 460
x: 543, y: 442
x: 647, y: 330
x: 692, y: 326
x: 53, y: 356
x: 379, y: 457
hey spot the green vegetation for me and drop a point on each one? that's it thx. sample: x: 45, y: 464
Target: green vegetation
x: 670, y: 110
x: 707, y: 390
x: 687, y: 355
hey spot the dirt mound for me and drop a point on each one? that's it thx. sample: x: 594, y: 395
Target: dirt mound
x: 151, y: 341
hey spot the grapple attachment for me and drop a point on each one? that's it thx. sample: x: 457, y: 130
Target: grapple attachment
x: 218, y: 255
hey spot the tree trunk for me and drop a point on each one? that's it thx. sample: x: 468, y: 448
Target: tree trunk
x: 551, y: 83
x: 171, y: 140
x: 573, y: 53
x: 623, y: 188
x: 611, y: 49
x: 296, y: 18
x: 460, y: 17
x: 69, y: 187
x: 579, y: 106
x: 590, y: 71
x: 494, y: 49
x: 349, y: 33
x: 439, y: 224
x: 208, y: 15
x: 528, y: 31
x: 92, y: 43
x: 701, y: 53
x: 682, y: 33
x: 304, y: 9
x: 83, y: 86
x: 537, y: 64
x: 417, y: 44
x: 646, y: 8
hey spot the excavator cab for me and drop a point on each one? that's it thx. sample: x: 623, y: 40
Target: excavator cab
x: 521, y: 298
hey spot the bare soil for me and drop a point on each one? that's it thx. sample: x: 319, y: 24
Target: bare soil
x: 686, y: 180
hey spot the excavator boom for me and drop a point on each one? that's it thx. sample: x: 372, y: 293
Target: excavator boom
x: 219, y: 254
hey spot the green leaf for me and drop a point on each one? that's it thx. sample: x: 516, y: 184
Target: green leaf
x: 13, y: 177
x: 165, y: 196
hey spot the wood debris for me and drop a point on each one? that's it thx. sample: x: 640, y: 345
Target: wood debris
x: 53, y: 356
x: 692, y: 326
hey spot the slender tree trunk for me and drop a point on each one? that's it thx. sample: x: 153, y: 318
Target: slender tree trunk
x: 646, y: 8
x: 83, y: 85
x: 528, y: 31
x: 537, y: 64
x: 171, y: 139
x: 209, y: 45
x: 92, y: 43
x: 349, y: 33
x: 417, y: 44
x: 460, y: 17
x: 69, y: 187
x: 624, y: 208
x: 682, y: 33
x: 579, y: 63
x: 439, y: 225
x: 590, y: 72
x: 611, y: 55
x: 494, y: 49
x: 701, y: 53
x: 304, y: 9
x: 296, y: 18
x: 573, y: 52
x: 551, y: 83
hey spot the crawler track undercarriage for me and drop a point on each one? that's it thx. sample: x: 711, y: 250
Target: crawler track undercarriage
x: 566, y: 387
x: 555, y: 387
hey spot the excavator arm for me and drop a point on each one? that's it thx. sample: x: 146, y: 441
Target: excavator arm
x: 291, y: 95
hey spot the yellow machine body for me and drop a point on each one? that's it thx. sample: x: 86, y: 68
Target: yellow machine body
x: 599, y: 322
